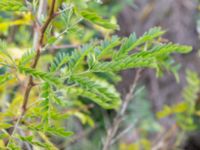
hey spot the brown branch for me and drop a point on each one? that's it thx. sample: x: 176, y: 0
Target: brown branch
x: 112, y: 131
x: 63, y: 47
x: 39, y: 45
x: 165, y: 139
x: 53, y: 49
x: 31, y: 84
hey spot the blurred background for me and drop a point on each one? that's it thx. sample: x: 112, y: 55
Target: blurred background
x: 143, y: 128
x: 181, y: 19
x: 156, y: 117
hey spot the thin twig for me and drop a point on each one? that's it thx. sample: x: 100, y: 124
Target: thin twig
x: 123, y: 133
x: 111, y: 133
x: 14, y: 129
x: 163, y: 139
x: 63, y: 47
x: 46, y: 139
x: 27, y: 145
x: 31, y: 84
x: 54, y: 49
x: 41, y: 12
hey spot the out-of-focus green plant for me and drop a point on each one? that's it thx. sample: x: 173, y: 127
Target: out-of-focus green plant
x: 142, y: 121
x: 186, y: 110
x: 141, y: 144
x: 40, y: 88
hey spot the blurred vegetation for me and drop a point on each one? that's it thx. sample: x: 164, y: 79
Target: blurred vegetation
x: 73, y: 99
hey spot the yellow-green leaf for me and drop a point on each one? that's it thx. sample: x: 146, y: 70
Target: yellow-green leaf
x: 180, y: 107
x: 165, y: 112
x: 98, y: 20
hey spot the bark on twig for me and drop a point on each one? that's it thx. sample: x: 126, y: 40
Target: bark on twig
x: 31, y: 84
x: 36, y: 59
x: 112, y: 131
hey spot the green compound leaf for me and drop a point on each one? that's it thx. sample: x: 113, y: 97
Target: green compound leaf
x: 98, y: 20
x: 12, y: 5
x: 48, y: 77
x: 98, y: 91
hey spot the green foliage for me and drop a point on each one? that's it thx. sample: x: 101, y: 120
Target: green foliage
x: 94, y: 18
x: 4, y: 78
x: 190, y: 92
x: 186, y: 120
x: 132, y: 42
x: 78, y: 56
x: 46, y: 104
x: 27, y: 57
x: 99, y: 91
x: 185, y: 111
x: 14, y: 5
x: 39, y: 74
x: 30, y: 139
x: 68, y: 82
x: 60, y: 60
x: 107, y: 47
